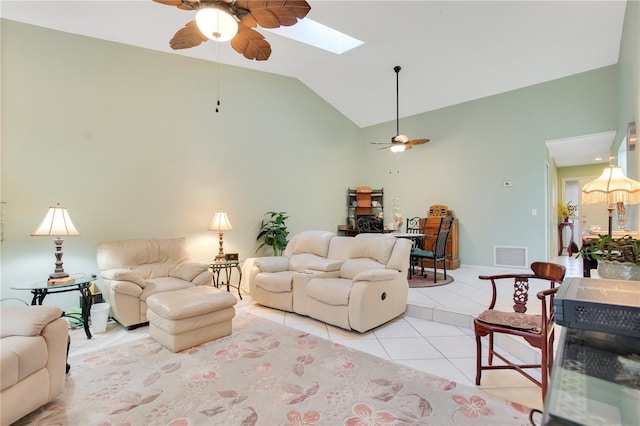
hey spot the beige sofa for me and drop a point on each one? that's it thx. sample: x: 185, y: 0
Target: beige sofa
x: 132, y: 270
x: 33, y: 342
x: 352, y: 282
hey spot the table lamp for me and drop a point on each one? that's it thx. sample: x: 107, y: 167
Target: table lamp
x: 610, y: 188
x: 220, y: 222
x: 57, y: 223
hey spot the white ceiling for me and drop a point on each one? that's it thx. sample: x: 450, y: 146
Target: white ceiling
x: 587, y: 149
x: 450, y: 51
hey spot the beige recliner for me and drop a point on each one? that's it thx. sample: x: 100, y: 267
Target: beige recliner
x: 33, y: 342
x: 132, y: 270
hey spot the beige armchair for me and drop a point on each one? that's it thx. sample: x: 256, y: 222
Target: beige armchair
x: 132, y: 270
x: 33, y: 342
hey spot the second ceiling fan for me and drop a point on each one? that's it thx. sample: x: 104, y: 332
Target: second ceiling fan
x: 400, y: 142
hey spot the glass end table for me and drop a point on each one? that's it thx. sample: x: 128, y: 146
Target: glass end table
x: 81, y: 283
x: 217, y: 266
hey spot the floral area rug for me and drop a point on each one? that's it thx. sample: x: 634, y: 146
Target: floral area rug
x: 263, y: 374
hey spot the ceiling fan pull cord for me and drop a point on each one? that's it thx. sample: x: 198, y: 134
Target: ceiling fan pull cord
x: 218, y: 76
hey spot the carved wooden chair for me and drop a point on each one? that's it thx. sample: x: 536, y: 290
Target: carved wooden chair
x: 537, y: 330
x: 438, y: 252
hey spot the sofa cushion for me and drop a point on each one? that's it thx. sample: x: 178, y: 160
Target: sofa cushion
x: 275, y: 282
x: 133, y: 253
x: 352, y: 267
x: 314, y: 242
x: 331, y: 291
x: 374, y: 246
x: 159, y: 285
x: 299, y: 262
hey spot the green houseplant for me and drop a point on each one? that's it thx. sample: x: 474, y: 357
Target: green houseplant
x: 274, y: 232
x: 618, y: 258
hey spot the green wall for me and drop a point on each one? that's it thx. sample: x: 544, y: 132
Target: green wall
x: 128, y: 140
x: 476, y: 146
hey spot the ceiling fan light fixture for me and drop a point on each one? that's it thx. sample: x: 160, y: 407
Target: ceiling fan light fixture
x: 397, y: 148
x: 401, y: 139
x: 216, y: 24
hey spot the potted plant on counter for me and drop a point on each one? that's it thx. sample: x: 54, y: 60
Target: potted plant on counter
x: 618, y: 258
x: 274, y: 231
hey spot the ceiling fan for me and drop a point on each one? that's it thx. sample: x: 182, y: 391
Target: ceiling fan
x: 400, y: 142
x: 234, y: 20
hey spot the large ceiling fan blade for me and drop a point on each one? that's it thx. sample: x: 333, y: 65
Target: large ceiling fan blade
x: 251, y: 44
x: 189, y: 36
x: 417, y: 142
x: 184, y: 5
x: 275, y: 13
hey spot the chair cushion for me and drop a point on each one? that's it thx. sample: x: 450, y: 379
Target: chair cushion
x: 417, y: 252
x: 353, y: 267
x: 331, y: 291
x: 515, y: 320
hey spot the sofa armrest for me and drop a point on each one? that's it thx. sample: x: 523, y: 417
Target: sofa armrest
x: 203, y: 278
x: 190, y: 271
x: 26, y: 320
x: 377, y: 275
x: 272, y: 264
x: 126, y: 287
x: 123, y: 275
x: 326, y: 265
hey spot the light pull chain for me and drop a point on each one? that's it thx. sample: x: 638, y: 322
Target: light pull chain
x: 218, y: 74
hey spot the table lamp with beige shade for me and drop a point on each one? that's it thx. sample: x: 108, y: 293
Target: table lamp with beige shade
x: 57, y: 223
x: 611, y: 188
x: 220, y: 223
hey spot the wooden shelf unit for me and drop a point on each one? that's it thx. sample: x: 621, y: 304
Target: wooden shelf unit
x: 363, y: 203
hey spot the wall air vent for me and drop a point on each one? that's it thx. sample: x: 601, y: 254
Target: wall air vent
x: 509, y: 256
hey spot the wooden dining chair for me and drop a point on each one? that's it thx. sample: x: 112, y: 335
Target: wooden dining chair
x: 438, y: 252
x: 536, y: 329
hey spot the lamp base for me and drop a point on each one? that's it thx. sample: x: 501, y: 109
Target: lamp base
x: 220, y: 257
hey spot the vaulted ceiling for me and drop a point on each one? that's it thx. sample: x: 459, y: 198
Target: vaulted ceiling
x: 450, y: 51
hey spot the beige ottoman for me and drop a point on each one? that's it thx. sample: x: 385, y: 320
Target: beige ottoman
x: 185, y: 318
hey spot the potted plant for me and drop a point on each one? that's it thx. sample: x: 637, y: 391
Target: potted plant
x: 567, y: 210
x: 618, y: 258
x: 274, y: 231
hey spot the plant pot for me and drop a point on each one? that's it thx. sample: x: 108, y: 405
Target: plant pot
x: 618, y: 270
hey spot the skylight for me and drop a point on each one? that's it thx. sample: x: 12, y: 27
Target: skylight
x: 316, y: 34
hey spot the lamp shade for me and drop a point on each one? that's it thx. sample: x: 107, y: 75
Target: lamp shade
x: 610, y: 188
x: 220, y: 222
x: 216, y: 24
x: 57, y: 223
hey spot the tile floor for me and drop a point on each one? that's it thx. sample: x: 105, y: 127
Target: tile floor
x: 435, y: 335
